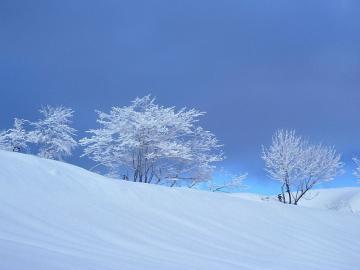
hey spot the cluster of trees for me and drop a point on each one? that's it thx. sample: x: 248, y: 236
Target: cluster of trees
x: 52, y: 134
x: 142, y: 142
x: 145, y: 142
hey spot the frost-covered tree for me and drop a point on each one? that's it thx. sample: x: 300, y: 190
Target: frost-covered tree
x: 298, y: 165
x: 53, y: 133
x: 4, y: 141
x: 320, y: 164
x: 17, y: 136
x: 282, y: 160
x: 153, y: 144
x: 15, y: 139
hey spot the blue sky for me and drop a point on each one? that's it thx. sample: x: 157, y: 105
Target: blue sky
x: 253, y: 66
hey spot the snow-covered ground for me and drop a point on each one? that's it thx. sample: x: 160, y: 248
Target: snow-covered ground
x: 339, y: 199
x: 58, y: 216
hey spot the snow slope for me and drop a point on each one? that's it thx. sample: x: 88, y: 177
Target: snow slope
x: 339, y: 199
x: 57, y: 216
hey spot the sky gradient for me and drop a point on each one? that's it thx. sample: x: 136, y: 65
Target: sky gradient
x: 253, y: 66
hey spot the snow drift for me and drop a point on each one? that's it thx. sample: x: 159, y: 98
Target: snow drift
x: 58, y: 216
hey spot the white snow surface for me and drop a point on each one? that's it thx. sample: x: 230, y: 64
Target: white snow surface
x: 58, y: 216
x: 339, y: 199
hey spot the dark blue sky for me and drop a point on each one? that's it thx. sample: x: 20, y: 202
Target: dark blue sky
x: 254, y: 66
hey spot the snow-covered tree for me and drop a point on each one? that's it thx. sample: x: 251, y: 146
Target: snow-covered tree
x: 320, y: 164
x: 4, y: 141
x: 17, y: 136
x: 53, y: 133
x: 298, y: 165
x: 14, y: 139
x: 283, y: 158
x: 154, y: 144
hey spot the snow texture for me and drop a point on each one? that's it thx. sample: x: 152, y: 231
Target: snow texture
x: 58, y: 216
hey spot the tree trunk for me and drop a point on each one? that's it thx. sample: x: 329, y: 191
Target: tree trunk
x: 283, y: 193
x: 289, y: 193
x: 288, y: 187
